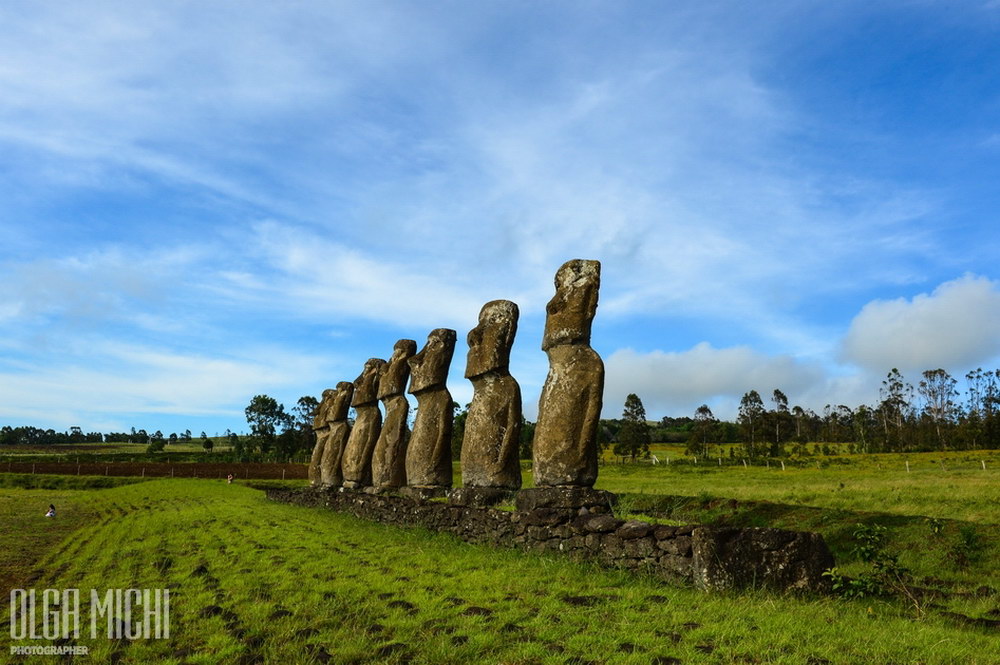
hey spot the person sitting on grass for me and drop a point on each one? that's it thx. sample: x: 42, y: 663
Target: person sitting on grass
x: 51, y: 512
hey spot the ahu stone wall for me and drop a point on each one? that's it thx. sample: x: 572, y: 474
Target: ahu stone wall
x: 581, y: 524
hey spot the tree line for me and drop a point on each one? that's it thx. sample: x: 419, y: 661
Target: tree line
x: 932, y: 415
x: 929, y: 416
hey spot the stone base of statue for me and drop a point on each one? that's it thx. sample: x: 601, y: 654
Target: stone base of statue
x: 480, y: 497
x: 566, y: 498
x: 422, y: 493
x: 352, y: 486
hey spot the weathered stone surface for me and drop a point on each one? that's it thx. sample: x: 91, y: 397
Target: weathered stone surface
x: 422, y: 493
x: 679, y: 546
x: 493, y: 426
x: 389, y: 456
x: 729, y: 558
x: 602, y: 523
x: 490, y: 341
x: 633, y: 529
x: 569, y: 409
x: 638, y: 548
x: 321, y: 428
x: 545, y: 517
x: 331, y: 474
x: 676, y: 566
x: 428, y: 455
x: 367, y: 426
x: 479, y: 497
x: 663, y: 531
x: 569, y: 498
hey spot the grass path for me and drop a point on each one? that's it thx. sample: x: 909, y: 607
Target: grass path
x: 253, y: 581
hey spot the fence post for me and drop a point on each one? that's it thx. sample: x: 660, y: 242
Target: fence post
x: 782, y: 465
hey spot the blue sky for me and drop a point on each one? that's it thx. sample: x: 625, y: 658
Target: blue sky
x: 200, y: 202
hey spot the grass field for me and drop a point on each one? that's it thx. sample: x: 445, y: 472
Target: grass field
x: 944, y: 485
x: 254, y: 581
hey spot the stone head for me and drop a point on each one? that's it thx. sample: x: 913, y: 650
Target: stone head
x: 430, y: 366
x: 366, y: 385
x: 490, y: 341
x: 341, y: 401
x: 571, y: 311
x: 323, y: 409
x: 397, y: 370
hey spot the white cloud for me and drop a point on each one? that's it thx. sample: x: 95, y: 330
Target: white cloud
x: 115, y: 379
x: 327, y: 280
x: 956, y: 327
x: 675, y: 383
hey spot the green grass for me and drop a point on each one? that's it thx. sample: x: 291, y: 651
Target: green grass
x: 962, y: 490
x: 27, y: 535
x: 52, y: 482
x: 256, y: 581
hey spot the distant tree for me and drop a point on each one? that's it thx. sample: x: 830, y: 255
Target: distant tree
x: 173, y: 437
x: 633, y: 437
x: 458, y: 429
x: 207, y: 444
x: 155, y: 445
x: 303, y: 438
x: 750, y: 415
x: 527, y: 438
x: 781, y: 421
x: 703, y: 430
x: 187, y: 435
x: 937, y: 389
x: 895, y: 409
x: 304, y: 411
x: 266, y: 417
x: 236, y: 443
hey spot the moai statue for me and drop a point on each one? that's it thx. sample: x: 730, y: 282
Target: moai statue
x: 428, y: 457
x: 493, y: 426
x: 569, y: 410
x: 367, y: 425
x: 321, y: 429
x: 389, y: 458
x: 331, y: 474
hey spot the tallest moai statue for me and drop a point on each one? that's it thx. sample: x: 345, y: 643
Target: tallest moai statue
x: 569, y: 410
